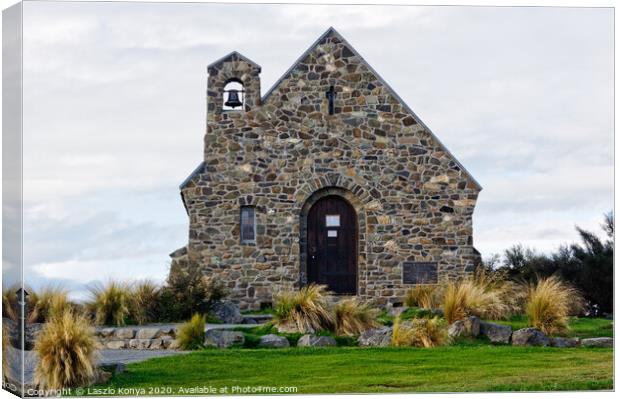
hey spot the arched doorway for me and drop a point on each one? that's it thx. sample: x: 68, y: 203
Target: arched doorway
x: 332, y: 244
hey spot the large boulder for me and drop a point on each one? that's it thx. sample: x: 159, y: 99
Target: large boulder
x: 223, y: 338
x: 376, y: 337
x: 227, y: 312
x: 118, y: 344
x: 561, y: 342
x: 273, y: 341
x: 124, y: 333
x: 313, y: 340
x: 149, y: 333
x: 469, y: 327
x: 496, y: 333
x: 529, y: 337
x: 601, y: 342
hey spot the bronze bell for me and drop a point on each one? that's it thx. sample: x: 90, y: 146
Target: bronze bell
x: 233, y: 99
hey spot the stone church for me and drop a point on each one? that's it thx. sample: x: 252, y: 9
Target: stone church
x: 329, y: 177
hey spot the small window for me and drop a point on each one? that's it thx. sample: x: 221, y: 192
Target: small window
x: 332, y: 220
x: 248, y: 225
x: 234, y: 96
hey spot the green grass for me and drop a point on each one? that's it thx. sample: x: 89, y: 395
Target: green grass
x: 464, y: 367
x: 582, y: 327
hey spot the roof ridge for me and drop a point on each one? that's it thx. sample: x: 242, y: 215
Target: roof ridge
x: 233, y: 53
x: 387, y: 86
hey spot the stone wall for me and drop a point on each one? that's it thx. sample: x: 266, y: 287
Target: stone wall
x: 414, y: 201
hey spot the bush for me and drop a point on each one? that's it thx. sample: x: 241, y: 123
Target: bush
x: 352, y: 317
x: 189, y: 291
x: 110, y: 303
x: 303, y: 311
x: 549, y: 303
x: 426, y: 296
x: 483, y: 295
x: 9, y: 303
x: 67, y: 352
x: 143, y: 301
x: 48, y: 303
x: 424, y: 333
x: 192, y: 333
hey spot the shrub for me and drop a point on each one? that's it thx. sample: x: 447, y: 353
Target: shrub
x: 192, y: 333
x: 67, y: 352
x: 352, y: 317
x: 110, y: 303
x: 549, y: 303
x: 303, y: 311
x: 143, y: 301
x: 424, y: 333
x: 426, y: 296
x: 48, y: 303
x: 482, y: 295
x: 188, y: 291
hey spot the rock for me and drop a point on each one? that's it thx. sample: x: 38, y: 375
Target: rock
x: 313, y: 340
x: 223, y: 338
x: 119, y: 344
x: 172, y: 345
x: 227, y: 312
x: 157, y: 343
x: 601, y: 342
x: 139, y: 343
x: 124, y: 333
x: 376, y: 337
x: 273, y: 341
x: 469, y: 327
x: 167, y: 343
x: 529, y: 337
x: 560, y: 342
x: 496, y: 333
x: 148, y: 333
x: 105, y: 332
x: 247, y: 320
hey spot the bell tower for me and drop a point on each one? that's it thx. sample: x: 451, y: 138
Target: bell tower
x: 233, y: 86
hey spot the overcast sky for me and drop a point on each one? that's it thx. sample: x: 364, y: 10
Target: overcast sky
x: 114, y: 116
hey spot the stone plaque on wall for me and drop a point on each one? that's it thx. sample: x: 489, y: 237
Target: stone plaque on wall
x: 420, y: 272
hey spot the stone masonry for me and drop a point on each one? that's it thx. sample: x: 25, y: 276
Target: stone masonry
x: 283, y: 152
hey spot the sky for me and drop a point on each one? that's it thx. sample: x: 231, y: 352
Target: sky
x: 114, y: 116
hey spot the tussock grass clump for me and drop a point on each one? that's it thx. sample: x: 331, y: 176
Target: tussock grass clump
x: 482, y: 295
x: 423, y: 333
x: 5, y: 354
x: 192, y: 333
x: 143, y: 301
x: 67, y: 352
x: 9, y: 303
x: 303, y: 311
x: 426, y: 296
x: 549, y: 304
x: 110, y: 303
x: 48, y: 303
x: 353, y: 317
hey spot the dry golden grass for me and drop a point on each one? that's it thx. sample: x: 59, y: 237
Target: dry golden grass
x: 110, y: 303
x: 5, y: 355
x: 550, y: 302
x: 423, y: 333
x: 9, y: 303
x: 426, y: 296
x: 482, y: 295
x: 67, y: 352
x: 50, y: 302
x: 303, y: 311
x: 192, y: 333
x: 352, y: 317
x: 143, y: 300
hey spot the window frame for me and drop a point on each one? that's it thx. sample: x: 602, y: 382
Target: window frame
x: 241, y: 235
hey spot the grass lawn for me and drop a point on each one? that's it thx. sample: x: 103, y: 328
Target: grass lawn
x: 464, y: 367
x: 582, y: 327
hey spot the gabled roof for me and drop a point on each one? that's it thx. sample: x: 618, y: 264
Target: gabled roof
x: 334, y: 32
x: 232, y: 55
x: 199, y: 169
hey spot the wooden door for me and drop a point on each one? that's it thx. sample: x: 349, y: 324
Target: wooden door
x: 332, y: 245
